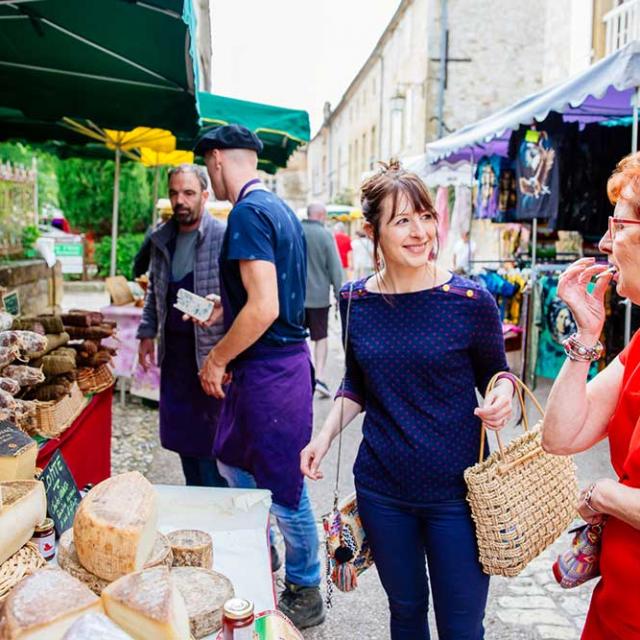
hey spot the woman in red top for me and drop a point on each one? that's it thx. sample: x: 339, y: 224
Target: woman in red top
x: 581, y: 414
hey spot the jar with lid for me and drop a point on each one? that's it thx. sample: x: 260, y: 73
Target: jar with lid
x: 44, y: 537
x: 237, y: 619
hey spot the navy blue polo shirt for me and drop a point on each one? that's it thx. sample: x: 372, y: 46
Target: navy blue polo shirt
x: 263, y: 227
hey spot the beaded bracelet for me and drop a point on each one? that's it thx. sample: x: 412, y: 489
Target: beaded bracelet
x: 579, y: 352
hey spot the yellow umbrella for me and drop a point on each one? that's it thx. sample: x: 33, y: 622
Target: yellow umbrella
x: 121, y: 142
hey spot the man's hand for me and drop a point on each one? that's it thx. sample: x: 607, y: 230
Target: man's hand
x: 147, y: 353
x: 213, y: 375
x: 216, y: 313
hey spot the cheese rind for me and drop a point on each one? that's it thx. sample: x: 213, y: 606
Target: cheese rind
x: 24, y: 507
x: 147, y: 605
x: 68, y: 560
x: 191, y: 548
x: 204, y: 593
x: 18, y: 453
x: 115, y: 526
x: 44, y: 605
x: 95, y: 626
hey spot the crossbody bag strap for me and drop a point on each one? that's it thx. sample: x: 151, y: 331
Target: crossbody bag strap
x: 342, y: 388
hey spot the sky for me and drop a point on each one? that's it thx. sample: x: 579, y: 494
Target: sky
x: 293, y: 53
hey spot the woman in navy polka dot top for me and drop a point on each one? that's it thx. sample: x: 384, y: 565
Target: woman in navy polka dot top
x: 420, y: 342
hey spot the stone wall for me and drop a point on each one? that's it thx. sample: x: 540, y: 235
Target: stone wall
x: 39, y: 287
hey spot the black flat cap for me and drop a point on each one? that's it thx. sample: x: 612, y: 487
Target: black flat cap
x: 231, y: 136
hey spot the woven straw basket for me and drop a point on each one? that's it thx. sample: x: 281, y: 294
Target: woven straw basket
x: 55, y: 417
x: 92, y: 380
x: 522, y: 498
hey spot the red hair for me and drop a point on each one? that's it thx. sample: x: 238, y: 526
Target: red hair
x: 626, y: 174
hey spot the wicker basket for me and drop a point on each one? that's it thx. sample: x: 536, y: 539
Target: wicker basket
x: 522, y: 498
x: 20, y: 564
x: 55, y: 417
x: 92, y: 380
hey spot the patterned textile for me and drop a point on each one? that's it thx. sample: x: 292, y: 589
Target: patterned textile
x: 414, y: 361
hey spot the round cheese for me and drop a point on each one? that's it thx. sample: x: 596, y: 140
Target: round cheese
x: 204, y: 593
x: 191, y: 548
x: 68, y: 560
x: 115, y: 526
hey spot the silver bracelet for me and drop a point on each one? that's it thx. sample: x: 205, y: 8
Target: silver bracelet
x: 587, y: 497
x: 579, y: 352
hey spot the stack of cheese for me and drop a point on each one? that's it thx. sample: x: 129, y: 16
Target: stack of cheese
x: 115, y: 549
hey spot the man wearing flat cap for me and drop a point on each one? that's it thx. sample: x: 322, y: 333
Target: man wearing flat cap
x: 262, y: 365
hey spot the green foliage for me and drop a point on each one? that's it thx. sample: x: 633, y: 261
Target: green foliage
x: 30, y: 234
x: 346, y: 197
x: 86, y: 195
x: 18, y: 153
x: 128, y: 246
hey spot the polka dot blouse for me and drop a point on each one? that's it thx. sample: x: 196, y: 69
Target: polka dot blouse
x: 414, y: 361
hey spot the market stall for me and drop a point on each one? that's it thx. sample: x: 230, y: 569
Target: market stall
x: 536, y: 197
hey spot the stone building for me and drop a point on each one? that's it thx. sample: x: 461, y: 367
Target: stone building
x: 441, y: 64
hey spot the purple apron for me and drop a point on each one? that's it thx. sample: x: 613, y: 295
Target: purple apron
x: 188, y: 416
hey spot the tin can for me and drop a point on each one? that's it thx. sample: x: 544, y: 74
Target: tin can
x: 44, y: 537
x: 237, y: 619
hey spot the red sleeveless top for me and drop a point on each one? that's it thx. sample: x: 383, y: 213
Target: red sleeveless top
x: 615, y: 607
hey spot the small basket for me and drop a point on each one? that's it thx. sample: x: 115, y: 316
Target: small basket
x: 55, y: 417
x: 20, y: 564
x: 522, y: 498
x: 96, y: 380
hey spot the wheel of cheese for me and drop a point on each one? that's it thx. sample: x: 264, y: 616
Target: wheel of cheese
x: 115, y: 525
x: 191, y: 548
x: 45, y: 604
x: 204, y: 592
x: 68, y: 560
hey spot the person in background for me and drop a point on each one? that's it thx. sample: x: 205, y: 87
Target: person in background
x: 184, y: 254
x: 362, y: 255
x: 463, y: 252
x: 323, y: 271
x: 421, y: 341
x: 579, y: 414
x: 343, y: 242
x: 267, y: 416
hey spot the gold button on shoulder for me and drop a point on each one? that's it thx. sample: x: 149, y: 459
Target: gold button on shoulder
x: 446, y: 288
x: 469, y: 293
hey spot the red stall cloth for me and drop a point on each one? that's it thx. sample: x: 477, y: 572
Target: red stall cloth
x: 86, y: 444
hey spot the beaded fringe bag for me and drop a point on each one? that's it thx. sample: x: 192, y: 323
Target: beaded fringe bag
x: 348, y: 552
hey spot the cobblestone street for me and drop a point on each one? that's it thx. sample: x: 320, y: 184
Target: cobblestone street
x: 529, y: 607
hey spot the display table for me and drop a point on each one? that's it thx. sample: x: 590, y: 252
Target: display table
x: 238, y: 522
x: 86, y: 444
x: 125, y: 363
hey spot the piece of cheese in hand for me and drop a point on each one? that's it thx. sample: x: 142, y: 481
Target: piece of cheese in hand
x: 24, y: 507
x: 95, y: 626
x: 44, y: 605
x: 191, y: 548
x: 147, y: 605
x: 18, y: 453
x: 115, y: 526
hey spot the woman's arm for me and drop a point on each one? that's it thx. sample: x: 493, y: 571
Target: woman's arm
x: 313, y: 454
x: 577, y: 413
x: 609, y: 497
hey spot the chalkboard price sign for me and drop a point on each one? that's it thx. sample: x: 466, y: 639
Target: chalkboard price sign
x: 63, y: 496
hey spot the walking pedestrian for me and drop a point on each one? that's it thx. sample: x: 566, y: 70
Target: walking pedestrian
x: 581, y: 414
x: 420, y: 342
x: 265, y: 420
x: 184, y: 254
x: 343, y: 242
x: 323, y: 271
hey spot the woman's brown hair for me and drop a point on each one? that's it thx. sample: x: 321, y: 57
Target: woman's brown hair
x: 391, y: 180
x: 626, y: 173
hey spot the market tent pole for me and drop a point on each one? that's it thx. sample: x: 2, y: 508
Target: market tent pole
x: 114, y: 220
x: 154, y: 213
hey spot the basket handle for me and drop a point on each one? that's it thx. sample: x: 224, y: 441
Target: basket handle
x: 522, y: 392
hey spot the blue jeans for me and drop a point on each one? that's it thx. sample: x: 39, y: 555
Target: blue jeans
x: 201, y: 472
x: 298, y: 528
x: 401, y: 535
